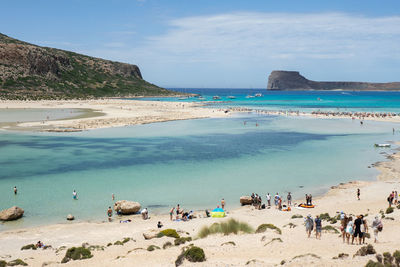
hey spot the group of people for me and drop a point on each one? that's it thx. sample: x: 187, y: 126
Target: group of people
x: 310, y: 222
x: 180, y: 214
x: 308, y: 199
x: 358, y: 228
x: 393, y: 198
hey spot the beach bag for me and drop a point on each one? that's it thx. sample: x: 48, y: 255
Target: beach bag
x: 380, y: 227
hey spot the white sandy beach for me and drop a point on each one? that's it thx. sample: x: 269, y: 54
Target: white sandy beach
x: 256, y: 248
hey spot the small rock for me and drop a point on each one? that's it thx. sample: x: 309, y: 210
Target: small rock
x: 70, y: 217
x: 150, y: 234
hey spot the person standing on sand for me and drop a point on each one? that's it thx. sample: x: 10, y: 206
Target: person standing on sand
x: 349, y: 229
x: 318, y: 227
x: 357, y: 230
x: 269, y: 200
x: 309, y: 225
x: 396, y: 198
x: 15, y: 190
x: 289, y: 199
x: 223, y: 204
x: 358, y: 193
x: 276, y: 199
x: 109, y: 214
x: 171, y: 213
x: 377, y: 227
x: 343, y: 221
x: 364, y: 228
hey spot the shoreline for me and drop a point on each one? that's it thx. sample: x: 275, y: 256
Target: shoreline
x: 248, y: 247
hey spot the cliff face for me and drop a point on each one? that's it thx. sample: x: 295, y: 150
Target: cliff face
x: 292, y: 80
x: 30, y: 71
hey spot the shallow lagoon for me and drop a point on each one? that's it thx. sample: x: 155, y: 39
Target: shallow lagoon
x: 194, y: 163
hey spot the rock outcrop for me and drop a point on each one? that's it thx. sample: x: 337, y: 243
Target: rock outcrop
x: 292, y: 80
x: 11, y: 214
x: 31, y: 71
x: 70, y: 217
x: 246, y: 200
x: 150, y: 234
x: 126, y: 207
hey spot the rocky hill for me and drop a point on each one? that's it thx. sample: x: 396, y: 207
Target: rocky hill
x: 292, y: 80
x: 29, y: 71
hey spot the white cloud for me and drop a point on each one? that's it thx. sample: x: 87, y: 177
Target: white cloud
x: 246, y: 46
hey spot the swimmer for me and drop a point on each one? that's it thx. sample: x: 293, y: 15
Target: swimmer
x: 15, y: 190
x: 74, y: 195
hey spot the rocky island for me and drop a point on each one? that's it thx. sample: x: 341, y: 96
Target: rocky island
x: 28, y: 71
x: 292, y: 80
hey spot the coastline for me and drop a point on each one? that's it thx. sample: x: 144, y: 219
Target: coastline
x: 340, y: 197
x: 263, y: 248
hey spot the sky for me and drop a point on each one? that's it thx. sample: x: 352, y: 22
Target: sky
x: 220, y: 43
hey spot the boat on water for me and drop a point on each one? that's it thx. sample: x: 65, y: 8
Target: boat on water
x: 231, y: 97
x: 250, y: 96
x: 201, y: 98
x: 382, y: 145
x: 216, y: 97
x: 183, y: 98
x: 258, y: 95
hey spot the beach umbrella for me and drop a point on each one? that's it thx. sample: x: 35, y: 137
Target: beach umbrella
x: 218, y: 213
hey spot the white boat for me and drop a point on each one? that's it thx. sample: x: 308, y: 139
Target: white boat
x: 216, y: 97
x: 231, y: 97
x: 382, y: 145
x: 258, y: 95
x: 250, y: 96
x: 201, y: 98
x: 183, y: 98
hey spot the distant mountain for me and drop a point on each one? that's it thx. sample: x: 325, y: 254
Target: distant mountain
x: 292, y: 80
x: 35, y: 72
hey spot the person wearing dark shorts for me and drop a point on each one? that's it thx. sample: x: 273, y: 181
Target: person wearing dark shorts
x: 357, y: 229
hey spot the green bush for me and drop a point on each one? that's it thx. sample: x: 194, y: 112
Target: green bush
x: 192, y: 254
x: 29, y: 246
x: 169, y: 233
x: 389, y: 210
x: 228, y: 227
x: 263, y: 227
x: 329, y: 228
x: 3, y: 263
x: 152, y: 248
x: 126, y: 240
x: 372, y: 263
x: 325, y: 216
x: 365, y: 250
x: 296, y: 216
x: 17, y: 262
x: 387, y: 259
x: 77, y: 253
x: 118, y: 243
x: 182, y: 240
x: 167, y: 245
x: 396, y: 256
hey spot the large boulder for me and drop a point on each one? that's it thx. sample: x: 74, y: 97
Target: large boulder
x: 246, y: 200
x: 126, y: 207
x: 11, y: 214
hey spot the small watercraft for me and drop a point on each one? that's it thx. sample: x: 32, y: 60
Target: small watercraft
x: 258, y: 95
x: 201, y: 98
x: 231, y: 97
x: 216, y: 97
x: 382, y: 145
x: 250, y: 96
x: 306, y: 206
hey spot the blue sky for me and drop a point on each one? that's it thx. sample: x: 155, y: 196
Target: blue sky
x: 220, y: 43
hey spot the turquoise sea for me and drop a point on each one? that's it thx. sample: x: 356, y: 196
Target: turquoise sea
x: 194, y: 163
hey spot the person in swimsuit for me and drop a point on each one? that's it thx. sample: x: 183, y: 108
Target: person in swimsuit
x: 349, y: 229
x: 289, y: 199
x: 15, y: 190
x: 358, y: 193
x: 159, y: 225
x: 109, y: 214
x: 74, y: 195
x: 223, y: 204
x: 171, y: 213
